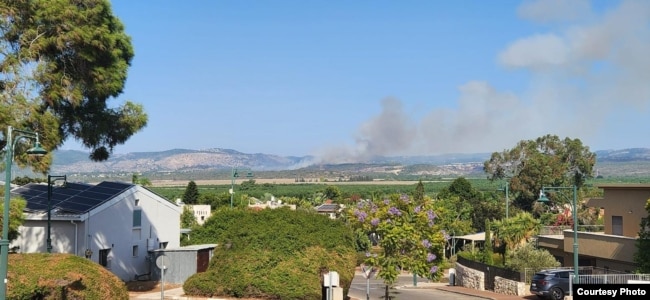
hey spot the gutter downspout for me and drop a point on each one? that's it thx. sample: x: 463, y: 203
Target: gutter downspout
x: 76, y: 247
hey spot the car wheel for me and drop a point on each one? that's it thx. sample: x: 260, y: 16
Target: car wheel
x: 556, y: 293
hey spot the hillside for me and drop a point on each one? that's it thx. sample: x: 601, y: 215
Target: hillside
x: 217, y: 163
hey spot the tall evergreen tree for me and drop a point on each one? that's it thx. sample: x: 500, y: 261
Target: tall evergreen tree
x: 61, y: 62
x: 418, y: 196
x: 191, y: 195
x: 487, y: 251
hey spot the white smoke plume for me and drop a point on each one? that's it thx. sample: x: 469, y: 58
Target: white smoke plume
x: 586, y: 68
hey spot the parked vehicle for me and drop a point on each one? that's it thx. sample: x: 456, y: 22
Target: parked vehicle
x: 551, y: 284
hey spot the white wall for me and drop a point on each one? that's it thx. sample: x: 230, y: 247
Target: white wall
x: 33, y: 236
x: 111, y: 227
x: 201, y: 212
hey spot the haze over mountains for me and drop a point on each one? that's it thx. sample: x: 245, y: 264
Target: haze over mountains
x: 186, y: 160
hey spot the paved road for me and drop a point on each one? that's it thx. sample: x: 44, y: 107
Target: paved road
x: 378, y: 290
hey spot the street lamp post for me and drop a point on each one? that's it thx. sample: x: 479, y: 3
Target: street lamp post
x: 51, y: 179
x: 544, y: 199
x: 233, y: 177
x: 9, y: 149
x: 506, y: 189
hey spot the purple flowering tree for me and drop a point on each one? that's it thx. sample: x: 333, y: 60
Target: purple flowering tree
x: 410, y: 237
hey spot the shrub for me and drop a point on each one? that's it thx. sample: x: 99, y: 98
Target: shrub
x: 276, y: 254
x: 61, y: 276
x: 527, y: 257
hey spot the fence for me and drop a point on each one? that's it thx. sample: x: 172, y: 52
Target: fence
x: 586, y: 270
x: 490, y: 272
x: 611, y: 278
x: 558, y: 230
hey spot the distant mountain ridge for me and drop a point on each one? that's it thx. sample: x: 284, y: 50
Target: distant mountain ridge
x: 186, y: 160
x: 176, y: 160
x: 623, y: 155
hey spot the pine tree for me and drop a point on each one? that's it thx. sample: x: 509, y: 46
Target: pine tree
x: 418, y: 197
x: 191, y: 195
x: 62, y: 63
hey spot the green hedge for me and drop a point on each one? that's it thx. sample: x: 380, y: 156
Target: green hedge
x: 61, y: 276
x: 275, y: 254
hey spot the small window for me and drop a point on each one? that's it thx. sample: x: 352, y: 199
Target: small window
x: 163, y: 245
x: 564, y: 274
x: 135, y: 250
x: 137, y: 218
x: 202, y: 218
x: 103, y: 257
x: 137, y: 202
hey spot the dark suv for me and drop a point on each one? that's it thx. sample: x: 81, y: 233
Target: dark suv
x: 553, y: 284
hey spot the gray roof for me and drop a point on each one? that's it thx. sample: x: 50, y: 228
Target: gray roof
x: 328, y: 208
x: 188, y: 248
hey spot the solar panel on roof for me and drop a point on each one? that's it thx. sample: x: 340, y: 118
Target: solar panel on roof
x: 58, y: 197
x: 39, y: 199
x: 73, y: 207
x: 114, y: 185
x: 28, y: 192
x: 77, y: 186
x: 36, y: 206
x: 74, y: 197
x: 65, y: 191
x: 35, y: 187
x: 103, y: 190
x: 90, y: 203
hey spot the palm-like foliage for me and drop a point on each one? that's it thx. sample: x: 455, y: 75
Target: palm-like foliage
x: 513, y: 232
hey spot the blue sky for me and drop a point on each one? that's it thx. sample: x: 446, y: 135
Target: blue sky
x: 345, y: 80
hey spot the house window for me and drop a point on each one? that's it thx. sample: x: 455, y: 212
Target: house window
x: 103, y: 257
x: 617, y: 225
x: 137, y: 218
x: 137, y: 202
x: 162, y: 245
x: 135, y: 250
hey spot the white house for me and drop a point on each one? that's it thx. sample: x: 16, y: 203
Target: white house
x: 118, y: 225
x: 272, y: 204
x: 201, y: 211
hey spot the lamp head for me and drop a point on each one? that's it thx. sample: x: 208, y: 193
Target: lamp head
x: 37, y: 149
x: 542, y: 197
x: 65, y: 181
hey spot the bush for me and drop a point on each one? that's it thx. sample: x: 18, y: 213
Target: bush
x: 527, y: 257
x: 275, y: 254
x: 61, y: 276
x: 361, y: 258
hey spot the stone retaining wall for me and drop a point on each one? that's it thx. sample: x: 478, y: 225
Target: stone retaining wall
x: 469, y: 278
x: 510, y: 287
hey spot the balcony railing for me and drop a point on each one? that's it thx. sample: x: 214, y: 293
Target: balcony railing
x: 558, y: 230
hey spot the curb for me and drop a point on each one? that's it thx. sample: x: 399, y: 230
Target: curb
x: 465, y: 293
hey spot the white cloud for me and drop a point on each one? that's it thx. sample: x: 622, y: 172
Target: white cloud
x: 539, y: 51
